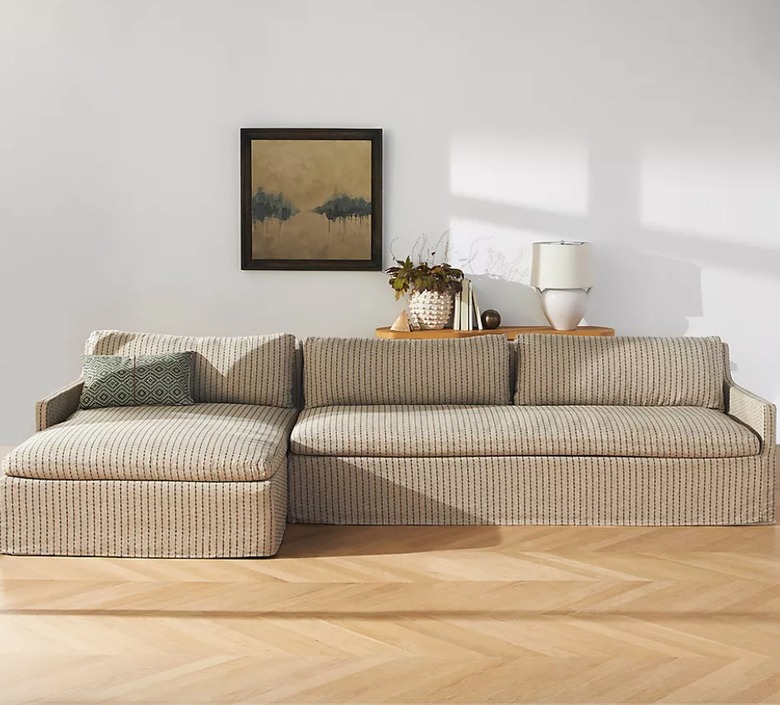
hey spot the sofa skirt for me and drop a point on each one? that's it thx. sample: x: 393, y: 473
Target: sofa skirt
x: 594, y: 491
x: 138, y: 519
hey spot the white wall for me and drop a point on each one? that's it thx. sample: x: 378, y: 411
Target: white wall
x: 651, y: 128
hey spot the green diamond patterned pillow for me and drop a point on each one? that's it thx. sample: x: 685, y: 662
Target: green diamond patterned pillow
x: 137, y: 380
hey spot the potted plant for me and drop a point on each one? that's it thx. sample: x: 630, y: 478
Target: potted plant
x: 431, y: 290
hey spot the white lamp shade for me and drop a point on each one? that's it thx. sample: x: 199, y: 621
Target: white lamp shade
x: 561, y: 265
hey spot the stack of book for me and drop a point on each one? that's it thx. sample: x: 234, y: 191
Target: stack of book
x: 467, y: 315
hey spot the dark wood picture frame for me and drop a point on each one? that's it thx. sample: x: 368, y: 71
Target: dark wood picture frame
x: 250, y: 135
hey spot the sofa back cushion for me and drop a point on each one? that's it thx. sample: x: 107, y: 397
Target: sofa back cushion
x: 256, y: 369
x: 621, y: 371
x: 338, y: 371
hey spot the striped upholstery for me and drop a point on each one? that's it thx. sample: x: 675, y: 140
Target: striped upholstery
x: 622, y: 371
x: 59, y: 406
x: 204, y: 442
x: 199, y: 481
x: 142, y: 519
x: 583, y: 490
x: 255, y: 370
x: 531, y: 490
x: 754, y: 412
x: 451, y: 431
x: 357, y: 371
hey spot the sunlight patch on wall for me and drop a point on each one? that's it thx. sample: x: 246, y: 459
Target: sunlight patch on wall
x: 487, y: 249
x: 543, y: 174
x: 726, y: 194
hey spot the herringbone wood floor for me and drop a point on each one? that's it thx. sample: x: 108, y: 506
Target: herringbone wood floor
x: 407, y: 615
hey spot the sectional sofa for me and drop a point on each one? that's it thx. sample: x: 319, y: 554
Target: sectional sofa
x: 544, y: 430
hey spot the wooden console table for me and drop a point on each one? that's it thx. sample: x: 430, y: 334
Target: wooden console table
x: 510, y: 331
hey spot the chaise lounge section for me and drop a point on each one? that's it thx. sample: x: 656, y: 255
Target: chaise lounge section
x: 205, y: 480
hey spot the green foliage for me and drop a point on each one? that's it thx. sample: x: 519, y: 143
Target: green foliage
x: 409, y: 277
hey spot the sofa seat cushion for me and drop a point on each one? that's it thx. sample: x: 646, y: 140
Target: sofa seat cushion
x: 203, y: 442
x: 451, y: 431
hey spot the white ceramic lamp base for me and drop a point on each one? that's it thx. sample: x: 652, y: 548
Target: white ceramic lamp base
x: 564, y: 308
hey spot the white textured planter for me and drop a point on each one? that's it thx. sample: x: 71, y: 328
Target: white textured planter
x: 429, y: 310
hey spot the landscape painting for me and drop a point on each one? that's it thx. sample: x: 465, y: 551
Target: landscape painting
x: 311, y: 199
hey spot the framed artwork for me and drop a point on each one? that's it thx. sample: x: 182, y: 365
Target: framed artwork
x: 311, y: 199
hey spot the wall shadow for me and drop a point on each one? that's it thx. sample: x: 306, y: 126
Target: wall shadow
x: 643, y: 294
x: 637, y: 290
x: 522, y: 306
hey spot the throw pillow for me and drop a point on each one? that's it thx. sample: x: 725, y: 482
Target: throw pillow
x: 137, y: 380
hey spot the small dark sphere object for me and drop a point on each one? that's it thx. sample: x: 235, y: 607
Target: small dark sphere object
x: 491, y: 319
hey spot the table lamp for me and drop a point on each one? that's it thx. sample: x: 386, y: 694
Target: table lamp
x: 561, y: 273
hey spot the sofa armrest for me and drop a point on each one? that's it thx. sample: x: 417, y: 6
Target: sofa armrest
x: 753, y: 411
x: 58, y: 406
